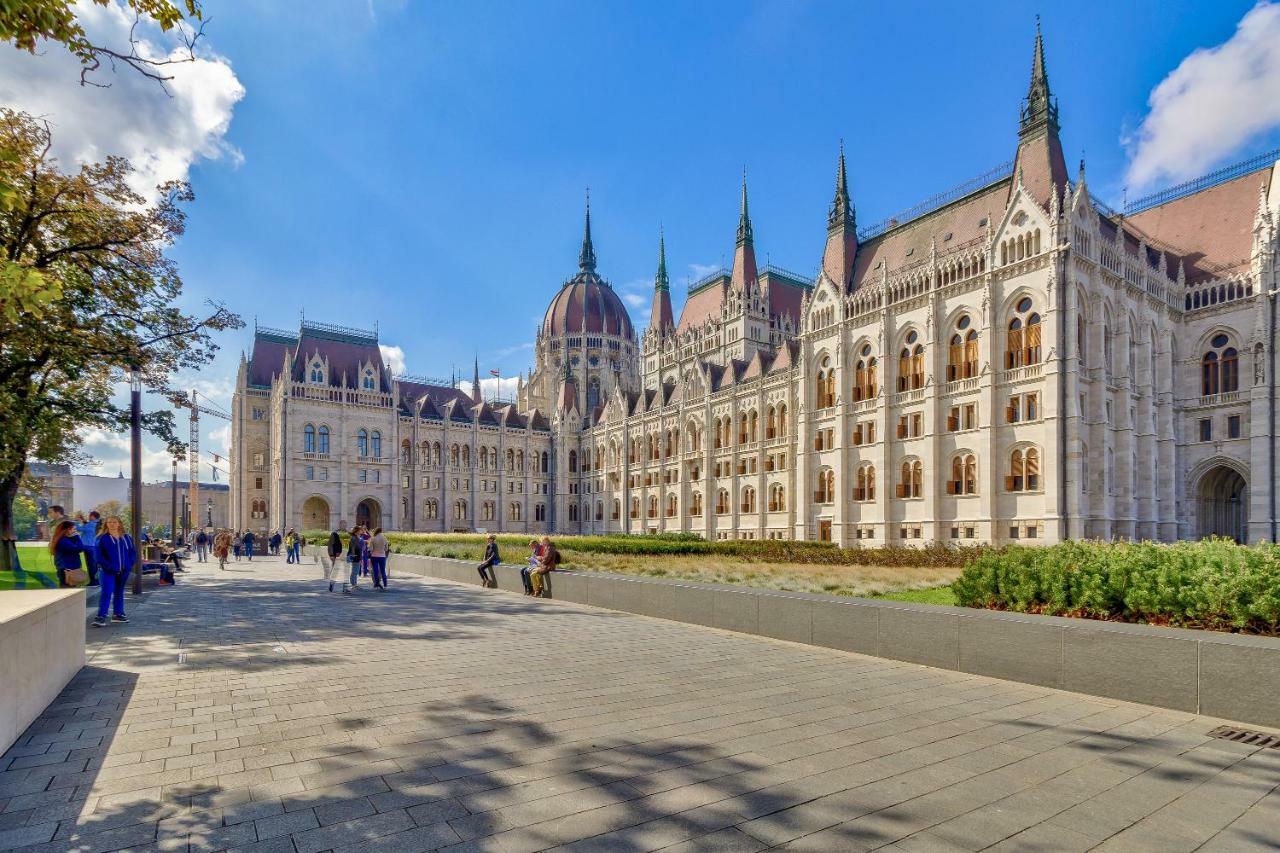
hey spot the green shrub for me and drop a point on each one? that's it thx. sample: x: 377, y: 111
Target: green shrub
x: 471, y: 545
x: 1214, y: 584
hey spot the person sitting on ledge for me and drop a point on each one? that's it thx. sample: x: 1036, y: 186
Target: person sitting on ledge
x: 549, y: 559
x: 535, y: 560
x: 487, y: 577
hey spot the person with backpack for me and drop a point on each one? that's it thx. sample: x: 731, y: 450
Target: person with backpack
x: 334, y: 550
x: 66, y: 548
x: 89, y: 539
x: 202, y: 546
x: 548, y: 561
x: 248, y: 545
x: 355, y: 555
x: 379, y: 547
x: 488, y: 579
x: 116, y: 556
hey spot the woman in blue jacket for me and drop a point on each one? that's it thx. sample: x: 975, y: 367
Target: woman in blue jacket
x: 116, y: 556
x: 66, y: 549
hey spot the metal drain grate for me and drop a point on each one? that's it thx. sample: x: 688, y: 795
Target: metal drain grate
x: 1258, y: 739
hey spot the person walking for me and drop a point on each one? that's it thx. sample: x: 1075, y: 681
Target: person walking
x: 533, y: 562
x: 488, y: 579
x: 273, y: 544
x: 249, y: 539
x: 116, y: 556
x: 202, y: 546
x: 222, y: 548
x: 292, y: 547
x: 237, y: 542
x: 365, y: 536
x: 549, y: 560
x: 355, y: 552
x: 378, y: 549
x: 334, y: 550
x: 89, y: 539
x: 297, y: 545
x: 66, y: 549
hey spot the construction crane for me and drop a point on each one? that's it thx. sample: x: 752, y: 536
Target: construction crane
x: 193, y: 458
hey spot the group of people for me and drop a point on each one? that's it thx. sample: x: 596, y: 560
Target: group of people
x: 93, y: 550
x: 366, y: 553
x: 543, y: 558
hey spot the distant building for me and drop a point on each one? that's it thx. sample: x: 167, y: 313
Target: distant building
x: 1010, y: 361
x: 85, y: 492
x: 51, y: 486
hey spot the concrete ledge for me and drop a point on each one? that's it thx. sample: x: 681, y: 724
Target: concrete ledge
x: 42, y: 637
x: 1223, y: 675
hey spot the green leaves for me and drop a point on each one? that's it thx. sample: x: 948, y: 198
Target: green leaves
x: 1214, y: 584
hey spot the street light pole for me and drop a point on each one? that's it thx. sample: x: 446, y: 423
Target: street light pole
x: 135, y: 502
x: 173, y: 506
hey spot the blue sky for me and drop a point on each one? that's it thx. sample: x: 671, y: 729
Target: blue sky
x: 422, y: 165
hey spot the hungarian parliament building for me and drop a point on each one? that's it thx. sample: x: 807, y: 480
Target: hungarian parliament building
x: 1013, y: 361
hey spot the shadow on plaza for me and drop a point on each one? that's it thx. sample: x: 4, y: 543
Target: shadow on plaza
x: 47, y: 775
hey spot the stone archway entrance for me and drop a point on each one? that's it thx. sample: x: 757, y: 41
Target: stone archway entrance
x: 315, y: 513
x: 369, y: 513
x: 1223, y: 499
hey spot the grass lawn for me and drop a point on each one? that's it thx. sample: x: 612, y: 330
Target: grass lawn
x: 37, y: 569
x: 931, y: 595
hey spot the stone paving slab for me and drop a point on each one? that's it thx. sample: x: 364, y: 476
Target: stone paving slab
x: 253, y: 710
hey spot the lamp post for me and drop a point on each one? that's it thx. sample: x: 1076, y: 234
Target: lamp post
x: 135, y: 453
x: 173, y: 506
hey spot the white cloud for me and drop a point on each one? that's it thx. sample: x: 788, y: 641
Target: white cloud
x: 110, y: 452
x: 635, y: 300
x: 1217, y: 100
x: 393, y: 357
x: 494, y: 387
x: 699, y: 270
x: 513, y: 349
x: 161, y: 134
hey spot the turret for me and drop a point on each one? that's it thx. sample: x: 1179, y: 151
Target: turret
x: 744, y: 254
x: 1039, y: 162
x: 842, y: 233
x: 661, y: 319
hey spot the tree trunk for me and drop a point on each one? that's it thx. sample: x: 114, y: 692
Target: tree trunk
x: 8, y: 540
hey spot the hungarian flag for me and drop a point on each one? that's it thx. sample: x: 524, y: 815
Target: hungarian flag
x: 494, y: 373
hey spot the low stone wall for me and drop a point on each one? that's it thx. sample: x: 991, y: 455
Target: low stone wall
x: 41, y: 648
x: 1221, y: 675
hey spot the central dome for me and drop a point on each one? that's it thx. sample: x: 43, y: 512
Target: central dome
x: 587, y: 304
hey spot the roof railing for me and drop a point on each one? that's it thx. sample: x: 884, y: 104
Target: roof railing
x: 422, y: 380
x: 932, y: 203
x: 1195, y: 185
x: 774, y: 269
x: 331, y: 328
x: 708, y: 279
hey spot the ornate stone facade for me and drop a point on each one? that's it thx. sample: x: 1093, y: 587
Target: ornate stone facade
x: 1012, y: 362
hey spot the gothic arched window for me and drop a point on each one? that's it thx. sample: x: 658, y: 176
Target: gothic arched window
x: 309, y: 438
x: 1220, y: 367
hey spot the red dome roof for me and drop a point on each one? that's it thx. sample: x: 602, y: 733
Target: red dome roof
x: 586, y: 304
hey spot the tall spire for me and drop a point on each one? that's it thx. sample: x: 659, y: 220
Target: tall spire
x: 842, y: 233
x: 661, y: 317
x: 744, y: 219
x: 744, y: 274
x: 1039, y: 110
x: 587, y: 257
x: 476, y: 396
x: 841, y: 213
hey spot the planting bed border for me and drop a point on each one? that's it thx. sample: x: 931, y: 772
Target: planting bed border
x: 1233, y: 676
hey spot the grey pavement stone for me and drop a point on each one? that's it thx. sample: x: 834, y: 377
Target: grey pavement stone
x: 441, y: 716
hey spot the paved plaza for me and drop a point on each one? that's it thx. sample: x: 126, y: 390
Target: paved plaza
x: 253, y: 710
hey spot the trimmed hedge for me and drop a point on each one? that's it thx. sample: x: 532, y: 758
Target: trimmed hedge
x: 469, y: 545
x: 1214, y: 584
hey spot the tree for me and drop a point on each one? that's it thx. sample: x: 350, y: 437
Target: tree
x: 111, y: 507
x: 24, y: 517
x: 100, y: 247
x: 24, y: 23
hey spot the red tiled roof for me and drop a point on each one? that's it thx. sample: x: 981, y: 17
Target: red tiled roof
x: 587, y: 304
x: 1043, y: 168
x: 1213, y: 227
x: 910, y: 243
x: 702, y: 304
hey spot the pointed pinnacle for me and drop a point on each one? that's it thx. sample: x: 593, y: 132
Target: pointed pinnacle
x: 587, y: 256
x: 661, y: 281
x: 744, y: 219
